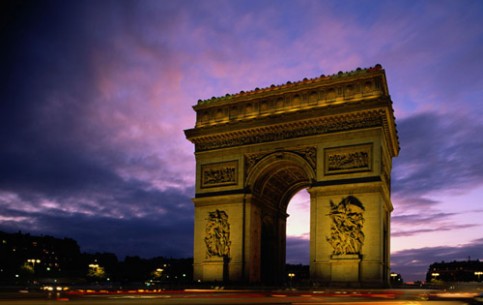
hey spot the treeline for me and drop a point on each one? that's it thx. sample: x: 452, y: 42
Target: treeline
x: 27, y: 259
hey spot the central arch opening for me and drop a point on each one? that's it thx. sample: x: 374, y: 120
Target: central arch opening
x: 279, y: 177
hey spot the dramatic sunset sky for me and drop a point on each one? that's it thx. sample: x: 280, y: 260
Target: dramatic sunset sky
x: 95, y: 95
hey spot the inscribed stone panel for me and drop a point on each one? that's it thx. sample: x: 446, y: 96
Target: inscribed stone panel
x: 219, y: 174
x: 348, y: 159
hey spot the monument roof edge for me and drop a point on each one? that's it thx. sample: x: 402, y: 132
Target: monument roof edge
x: 257, y: 92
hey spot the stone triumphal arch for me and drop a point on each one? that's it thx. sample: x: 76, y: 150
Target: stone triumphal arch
x: 333, y: 135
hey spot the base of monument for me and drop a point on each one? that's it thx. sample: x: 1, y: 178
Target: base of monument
x: 345, y: 269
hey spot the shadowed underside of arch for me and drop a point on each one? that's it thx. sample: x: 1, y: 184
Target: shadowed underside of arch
x: 278, y: 177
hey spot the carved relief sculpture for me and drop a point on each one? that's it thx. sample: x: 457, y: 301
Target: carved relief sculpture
x: 348, y: 159
x: 217, y: 237
x: 346, y: 236
x: 219, y: 174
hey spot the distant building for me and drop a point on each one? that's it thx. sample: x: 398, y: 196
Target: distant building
x: 25, y: 257
x: 462, y: 271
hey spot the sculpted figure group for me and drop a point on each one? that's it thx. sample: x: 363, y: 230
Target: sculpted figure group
x: 217, y: 234
x: 346, y: 236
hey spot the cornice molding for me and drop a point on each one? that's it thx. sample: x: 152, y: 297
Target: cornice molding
x: 273, y: 114
x: 293, y: 129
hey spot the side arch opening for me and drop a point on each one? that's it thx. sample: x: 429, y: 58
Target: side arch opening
x: 298, y: 238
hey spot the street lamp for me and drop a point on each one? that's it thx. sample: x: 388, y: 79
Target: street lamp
x: 291, y: 276
x: 33, y: 261
x: 96, y: 271
x: 434, y: 276
x: 479, y: 273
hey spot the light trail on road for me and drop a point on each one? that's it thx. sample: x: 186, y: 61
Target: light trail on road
x: 275, y: 299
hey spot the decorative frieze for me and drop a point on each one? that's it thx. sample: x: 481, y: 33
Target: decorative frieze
x: 217, y: 234
x: 346, y: 236
x: 348, y: 159
x: 309, y: 153
x: 289, y: 131
x: 219, y: 174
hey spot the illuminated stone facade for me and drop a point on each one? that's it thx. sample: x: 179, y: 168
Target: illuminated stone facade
x: 333, y: 135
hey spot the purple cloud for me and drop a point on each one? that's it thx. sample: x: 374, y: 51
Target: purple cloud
x: 297, y: 250
x: 439, y: 153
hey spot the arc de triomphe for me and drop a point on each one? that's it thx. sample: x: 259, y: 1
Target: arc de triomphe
x: 333, y: 135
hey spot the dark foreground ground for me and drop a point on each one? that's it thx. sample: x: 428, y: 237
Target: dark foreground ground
x: 240, y: 297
